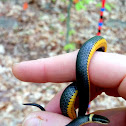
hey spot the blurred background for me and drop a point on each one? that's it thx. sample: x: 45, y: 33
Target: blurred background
x: 33, y: 29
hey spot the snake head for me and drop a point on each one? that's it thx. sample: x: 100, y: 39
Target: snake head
x: 91, y: 118
x: 99, y: 119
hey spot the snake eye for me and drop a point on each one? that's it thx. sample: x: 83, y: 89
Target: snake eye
x: 34, y: 104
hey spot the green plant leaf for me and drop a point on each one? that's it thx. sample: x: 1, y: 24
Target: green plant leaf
x: 62, y: 33
x: 112, y: 5
x: 72, y: 32
x: 79, y: 6
x: 86, y: 1
x: 53, y: 0
x: 62, y: 18
x: 108, y: 7
x: 70, y: 46
x: 98, y: 5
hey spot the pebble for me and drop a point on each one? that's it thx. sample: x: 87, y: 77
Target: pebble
x: 2, y: 49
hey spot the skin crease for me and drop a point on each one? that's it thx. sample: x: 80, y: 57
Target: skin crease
x: 107, y: 73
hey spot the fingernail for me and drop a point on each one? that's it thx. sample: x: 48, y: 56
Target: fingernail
x: 32, y: 121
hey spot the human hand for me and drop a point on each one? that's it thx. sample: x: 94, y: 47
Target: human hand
x: 107, y: 73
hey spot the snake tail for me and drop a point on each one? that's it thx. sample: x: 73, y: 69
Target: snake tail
x: 91, y: 118
x: 37, y: 105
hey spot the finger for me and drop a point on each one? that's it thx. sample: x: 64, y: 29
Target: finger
x: 106, y: 70
x: 108, y: 73
x: 45, y: 119
x: 55, y: 69
x: 116, y: 117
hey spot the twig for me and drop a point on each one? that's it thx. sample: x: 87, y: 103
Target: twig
x: 68, y: 20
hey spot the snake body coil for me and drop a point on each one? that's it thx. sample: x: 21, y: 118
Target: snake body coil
x: 81, y: 87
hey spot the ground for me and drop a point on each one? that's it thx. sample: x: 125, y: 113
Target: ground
x: 39, y: 32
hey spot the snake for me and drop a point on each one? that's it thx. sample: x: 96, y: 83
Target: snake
x: 80, y: 89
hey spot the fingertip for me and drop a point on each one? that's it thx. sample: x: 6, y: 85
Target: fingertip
x: 15, y: 69
x: 45, y: 119
x: 18, y: 71
x: 28, y: 71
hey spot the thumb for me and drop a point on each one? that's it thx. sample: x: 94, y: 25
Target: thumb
x: 45, y: 119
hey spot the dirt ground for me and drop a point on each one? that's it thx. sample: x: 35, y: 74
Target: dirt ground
x: 39, y: 32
